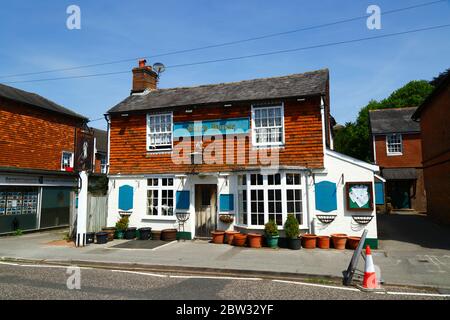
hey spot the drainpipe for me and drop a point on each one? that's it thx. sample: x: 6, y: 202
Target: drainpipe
x: 322, y: 115
x: 108, y: 121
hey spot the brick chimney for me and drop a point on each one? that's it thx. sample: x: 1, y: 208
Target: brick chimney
x: 144, y: 78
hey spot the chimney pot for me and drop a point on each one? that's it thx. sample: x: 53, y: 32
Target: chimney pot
x: 142, y: 63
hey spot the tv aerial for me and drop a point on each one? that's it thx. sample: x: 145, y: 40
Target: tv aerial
x: 159, y: 68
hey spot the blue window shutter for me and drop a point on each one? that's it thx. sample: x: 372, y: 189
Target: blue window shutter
x: 226, y: 202
x: 326, y: 196
x: 379, y: 193
x: 182, y: 200
x: 125, y: 198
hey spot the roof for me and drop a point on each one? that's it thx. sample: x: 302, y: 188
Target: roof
x: 295, y: 85
x: 396, y: 120
x: 101, y: 138
x: 35, y: 100
x: 444, y: 84
x: 351, y: 160
x: 400, y: 174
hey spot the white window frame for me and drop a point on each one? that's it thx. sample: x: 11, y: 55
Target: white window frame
x: 154, y: 148
x: 283, y: 187
x: 394, y: 153
x: 267, y: 144
x: 62, y: 160
x: 160, y: 189
x: 103, y: 166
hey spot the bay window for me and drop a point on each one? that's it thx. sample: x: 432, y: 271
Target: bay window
x: 160, y: 197
x: 159, y: 131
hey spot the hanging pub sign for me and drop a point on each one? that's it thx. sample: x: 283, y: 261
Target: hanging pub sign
x: 84, y: 152
x: 359, y: 196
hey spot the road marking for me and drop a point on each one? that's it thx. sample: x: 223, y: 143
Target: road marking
x: 216, y: 277
x: 9, y: 263
x: 316, y: 285
x: 142, y: 273
x: 418, y: 294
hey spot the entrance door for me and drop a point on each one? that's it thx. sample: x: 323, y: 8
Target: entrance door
x: 400, y: 193
x: 205, y: 210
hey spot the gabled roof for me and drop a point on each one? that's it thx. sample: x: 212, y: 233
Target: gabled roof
x: 36, y: 101
x: 295, y: 85
x: 101, y: 138
x: 396, y: 120
x: 444, y: 84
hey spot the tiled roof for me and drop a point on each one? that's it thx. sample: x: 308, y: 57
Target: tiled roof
x: 396, y: 120
x: 295, y: 85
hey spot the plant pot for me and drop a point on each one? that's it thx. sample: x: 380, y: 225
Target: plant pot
x: 294, y: 244
x: 240, y: 239
x: 130, y: 233
x: 323, y: 242
x: 339, y: 240
x: 90, y: 237
x: 229, y: 236
x: 169, y: 235
x: 145, y: 233
x: 156, y: 235
x: 120, y: 234
x: 254, y: 240
x: 218, y: 236
x: 272, y: 241
x: 352, y: 242
x: 102, y: 237
x: 309, y: 241
x: 110, y: 231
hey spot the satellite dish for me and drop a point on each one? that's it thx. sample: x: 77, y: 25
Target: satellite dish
x: 159, y: 67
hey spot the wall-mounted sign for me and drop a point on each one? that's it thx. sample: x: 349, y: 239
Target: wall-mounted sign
x: 200, y: 128
x: 359, y: 196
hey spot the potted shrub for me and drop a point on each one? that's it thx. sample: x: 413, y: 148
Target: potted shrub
x: 309, y: 241
x: 271, y: 232
x: 291, y: 228
x: 121, y: 226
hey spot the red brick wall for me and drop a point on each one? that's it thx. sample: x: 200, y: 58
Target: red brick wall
x: 412, y: 152
x: 303, y: 136
x: 33, y: 138
x: 434, y: 123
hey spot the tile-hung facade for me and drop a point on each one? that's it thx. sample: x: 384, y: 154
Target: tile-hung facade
x: 36, y: 161
x: 397, y: 149
x: 254, y: 150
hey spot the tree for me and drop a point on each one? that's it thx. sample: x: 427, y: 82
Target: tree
x: 437, y: 80
x: 354, y: 138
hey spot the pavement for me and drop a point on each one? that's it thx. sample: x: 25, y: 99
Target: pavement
x: 37, y: 282
x: 400, y: 261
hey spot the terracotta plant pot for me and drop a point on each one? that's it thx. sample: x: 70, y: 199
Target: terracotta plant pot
x: 309, y: 241
x: 229, y: 236
x: 218, y: 236
x: 323, y: 242
x: 240, y: 239
x: 352, y: 242
x: 339, y: 240
x: 156, y: 235
x: 169, y: 235
x: 254, y: 240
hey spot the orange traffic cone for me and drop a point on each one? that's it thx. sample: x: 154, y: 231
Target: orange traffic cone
x: 370, y: 277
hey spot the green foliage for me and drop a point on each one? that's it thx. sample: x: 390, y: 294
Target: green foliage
x: 271, y: 228
x: 354, y: 138
x: 291, y: 227
x: 18, y: 232
x: 98, y: 185
x: 122, y: 224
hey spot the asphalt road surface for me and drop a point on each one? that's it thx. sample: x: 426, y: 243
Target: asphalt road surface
x: 50, y: 282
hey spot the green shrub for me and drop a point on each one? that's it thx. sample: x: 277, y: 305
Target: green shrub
x: 18, y: 232
x: 122, y: 224
x: 291, y: 227
x: 271, y: 228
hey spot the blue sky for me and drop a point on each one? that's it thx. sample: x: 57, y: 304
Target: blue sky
x: 35, y: 38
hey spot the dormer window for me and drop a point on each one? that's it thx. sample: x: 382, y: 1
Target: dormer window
x: 394, y: 144
x: 159, y: 131
x: 268, y: 125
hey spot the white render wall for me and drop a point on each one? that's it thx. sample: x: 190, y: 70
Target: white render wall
x: 341, y: 169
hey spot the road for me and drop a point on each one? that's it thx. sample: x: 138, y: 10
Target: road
x: 43, y: 282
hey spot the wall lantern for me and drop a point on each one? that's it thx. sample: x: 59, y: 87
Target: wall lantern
x: 225, y: 176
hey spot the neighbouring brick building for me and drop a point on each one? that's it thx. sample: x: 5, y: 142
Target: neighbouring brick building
x: 397, y: 149
x: 37, y: 145
x: 101, y: 150
x: 198, y: 152
x: 434, y: 117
